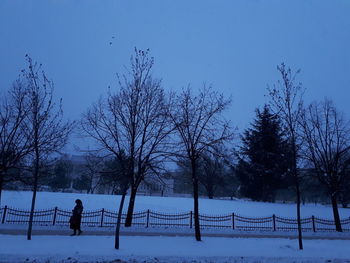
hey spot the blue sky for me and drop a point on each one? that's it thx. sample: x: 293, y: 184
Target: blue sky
x: 233, y: 45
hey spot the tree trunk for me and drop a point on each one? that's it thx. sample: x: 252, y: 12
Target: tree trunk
x: 196, y: 210
x: 119, y: 219
x: 297, y: 189
x: 336, y: 213
x: 196, y: 206
x: 35, y: 188
x: 31, y: 216
x: 300, y: 237
x: 128, y: 220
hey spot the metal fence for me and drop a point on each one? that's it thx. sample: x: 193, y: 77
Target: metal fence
x: 148, y: 218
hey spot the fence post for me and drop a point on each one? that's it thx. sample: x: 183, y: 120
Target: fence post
x: 313, y: 224
x: 54, y: 216
x: 4, y: 215
x: 191, y: 219
x: 147, y: 221
x: 102, y: 215
x: 233, y: 221
x: 274, y: 222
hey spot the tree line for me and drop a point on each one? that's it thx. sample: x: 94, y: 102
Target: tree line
x: 139, y: 128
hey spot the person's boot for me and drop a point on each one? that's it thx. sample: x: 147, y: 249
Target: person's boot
x: 74, y: 233
x: 79, y: 232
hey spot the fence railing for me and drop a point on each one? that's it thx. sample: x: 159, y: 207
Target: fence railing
x: 148, y: 218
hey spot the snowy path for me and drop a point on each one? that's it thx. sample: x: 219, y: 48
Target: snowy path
x: 169, y: 249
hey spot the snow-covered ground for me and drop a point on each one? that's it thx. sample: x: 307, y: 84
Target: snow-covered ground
x: 22, y: 200
x: 168, y: 249
x: 93, y: 248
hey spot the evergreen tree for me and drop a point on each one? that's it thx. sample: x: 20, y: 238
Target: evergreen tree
x: 263, y: 159
x: 344, y: 195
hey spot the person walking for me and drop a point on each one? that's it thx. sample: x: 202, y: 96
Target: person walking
x: 75, y: 219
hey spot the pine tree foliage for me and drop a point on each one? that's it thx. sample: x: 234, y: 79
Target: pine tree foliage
x: 263, y: 158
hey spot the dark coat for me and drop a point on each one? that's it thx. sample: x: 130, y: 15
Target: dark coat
x: 75, y: 219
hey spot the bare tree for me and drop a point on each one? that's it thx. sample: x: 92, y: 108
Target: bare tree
x: 14, y: 145
x: 111, y: 180
x: 133, y: 121
x: 44, y: 124
x: 213, y: 173
x: 199, y: 127
x: 286, y: 100
x: 327, y: 137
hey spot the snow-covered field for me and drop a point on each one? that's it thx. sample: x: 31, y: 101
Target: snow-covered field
x: 15, y: 248
x: 22, y: 200
x: 168, y: 249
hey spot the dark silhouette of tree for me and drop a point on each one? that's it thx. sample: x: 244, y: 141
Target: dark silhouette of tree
x: 214, y: 176
x: 82, y: 182
x: 112, y: 175
x: 199, y: 127
x: 232, y: 184
x: 61, y: 175
x: 327, y: 137
x: 182, y: 177
x: 263, y: 158
x: 222, y: 183
x: 344, y: 194
x: 132, y: 121
x: 213, y: 173
x: 45, y: 128
x: 91, y: 171
x: 14, y: 145
x: 286, y: 101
